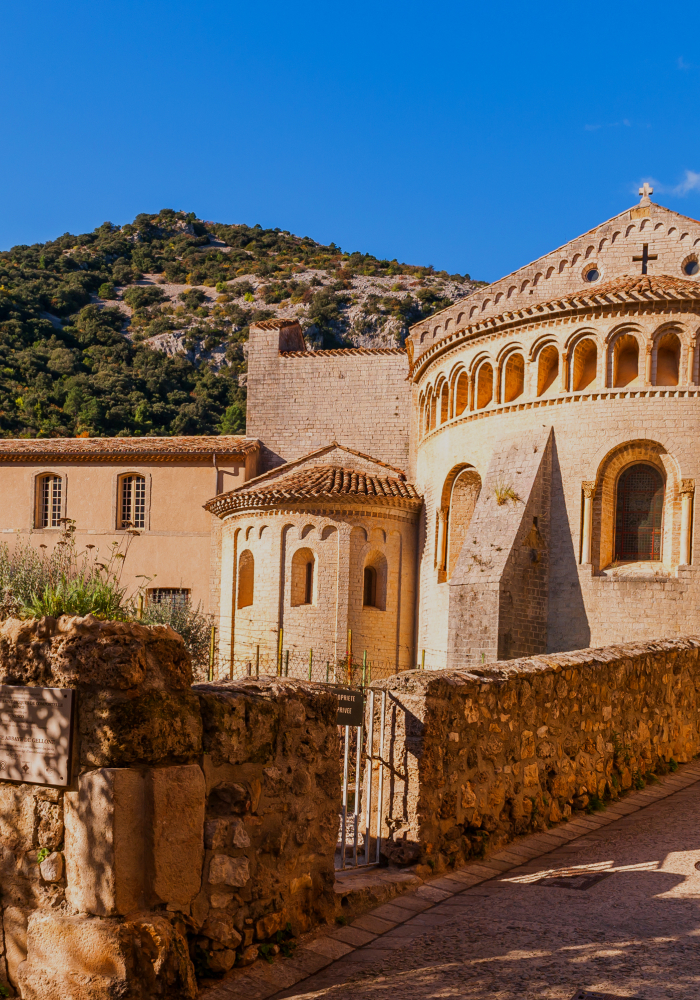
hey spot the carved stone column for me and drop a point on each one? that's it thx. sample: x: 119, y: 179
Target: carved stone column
x: 687, y: 489
x: 691, y: 363
x: 647, y: 374
x: 586, y: 535
x: 440, y: 552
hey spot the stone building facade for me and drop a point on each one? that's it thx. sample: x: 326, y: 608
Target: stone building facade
x: 151, y: 487
x: 548, y: 424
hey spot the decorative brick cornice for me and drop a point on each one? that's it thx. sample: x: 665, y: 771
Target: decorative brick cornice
x: 628, y: 292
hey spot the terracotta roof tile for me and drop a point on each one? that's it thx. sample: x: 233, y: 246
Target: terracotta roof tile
x: 325, y: 483
x: 341, y: 352
x: 105, y: 449
x: 276, y: 324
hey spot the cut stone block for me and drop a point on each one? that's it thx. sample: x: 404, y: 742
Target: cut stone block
x: 98, y: 958
x: 177, y: 840
x: 134, y: 839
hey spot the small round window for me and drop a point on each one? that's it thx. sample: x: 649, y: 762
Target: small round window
x: 592, y: 274
x: 691, y: 267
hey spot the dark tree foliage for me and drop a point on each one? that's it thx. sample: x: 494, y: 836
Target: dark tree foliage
x: 66, y: 366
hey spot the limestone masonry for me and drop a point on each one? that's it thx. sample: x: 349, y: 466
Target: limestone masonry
x: 200, y: 821
x: 547, y: 428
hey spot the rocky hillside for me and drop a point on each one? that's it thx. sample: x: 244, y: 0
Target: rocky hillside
x: 141, y: 329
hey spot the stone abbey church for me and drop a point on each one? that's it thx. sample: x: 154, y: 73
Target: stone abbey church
x: 520, y: 479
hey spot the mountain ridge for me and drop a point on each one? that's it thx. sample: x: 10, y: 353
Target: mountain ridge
x: 142, y: 329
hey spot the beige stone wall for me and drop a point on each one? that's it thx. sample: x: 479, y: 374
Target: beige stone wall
x: 598, y: 432
x: 167, y: 847
x: 478, y: 759
x: 302, y: 401
x: 341, y: 542
x: 175, y: 546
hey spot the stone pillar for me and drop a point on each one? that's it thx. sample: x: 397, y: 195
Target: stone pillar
x: 440, y: 551
x: 587, y: 534
x: 647, y: 372
x: 691, y: 363
x: 687, y: 489
x: 564, y: 374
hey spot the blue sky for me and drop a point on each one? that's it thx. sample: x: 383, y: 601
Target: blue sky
x: 471, y: 137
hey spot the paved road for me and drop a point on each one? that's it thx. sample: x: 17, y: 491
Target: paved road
x: 621, y: 915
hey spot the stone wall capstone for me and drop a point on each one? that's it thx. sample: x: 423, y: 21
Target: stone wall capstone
x: 480, y: 755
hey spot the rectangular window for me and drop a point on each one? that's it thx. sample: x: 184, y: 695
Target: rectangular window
x: 50, y: 502
x: 132, y: 507
x: 168, y: 595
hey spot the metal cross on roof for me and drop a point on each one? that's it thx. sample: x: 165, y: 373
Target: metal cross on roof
x: 646, y: 257
x: 645, y: 190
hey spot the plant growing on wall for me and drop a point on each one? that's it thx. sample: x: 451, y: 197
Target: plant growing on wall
x: 505, y: 492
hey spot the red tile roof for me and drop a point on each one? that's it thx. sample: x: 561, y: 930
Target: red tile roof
x: 121, y: 448
x: 341, y: 352
x: 276, y: 324
x: 320, y: 483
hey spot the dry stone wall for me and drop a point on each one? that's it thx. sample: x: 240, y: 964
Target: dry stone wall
x: 200, y: 822
x: 478, y: 756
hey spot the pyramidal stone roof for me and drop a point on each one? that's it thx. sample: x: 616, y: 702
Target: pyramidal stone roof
x: 115, y: 448
x: 320, y: 483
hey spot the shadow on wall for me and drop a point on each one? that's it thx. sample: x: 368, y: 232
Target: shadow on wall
x: 567, y: 621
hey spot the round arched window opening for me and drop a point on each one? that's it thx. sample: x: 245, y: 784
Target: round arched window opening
x: 691, y: 267
x: 639, y: 514
x: 592, y: 274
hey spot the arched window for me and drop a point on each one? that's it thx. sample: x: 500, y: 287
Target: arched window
x: 369, y: 594
x: 444, y: 402
x: 246, y: 575
x: 374, y: 581
x: 484, y: 386
x: 49, y: 501
x: 132, y: 502
x: 513, y: 378
x: 625, y: 361
x: 583, y: 369
x: 638, y: 514
x: 547, y: 370
x: 303, y: 565
x: 668, y: 354
x: 461, y: 394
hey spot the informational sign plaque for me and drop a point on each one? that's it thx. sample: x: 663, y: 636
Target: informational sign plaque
x: 350, y: 707
x: 36, y: 732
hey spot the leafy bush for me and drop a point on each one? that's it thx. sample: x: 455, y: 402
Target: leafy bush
x: 191, y: 623
x: 239, y: 288
x: 233, y: 421
x: 106, y: 290
x: 64, y: 581
x: 193, y: 298
x: 143, y: 295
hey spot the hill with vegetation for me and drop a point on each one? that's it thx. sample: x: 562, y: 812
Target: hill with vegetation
x: 142, y: 329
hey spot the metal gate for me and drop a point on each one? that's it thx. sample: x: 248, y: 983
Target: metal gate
x: 367, y: 808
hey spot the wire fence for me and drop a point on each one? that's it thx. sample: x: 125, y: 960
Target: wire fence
x: 353, y: 670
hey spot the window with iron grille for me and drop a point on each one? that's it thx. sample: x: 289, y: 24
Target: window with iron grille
x: 168, y: 595
x: 49, y: 501
x: 132, y: 502
x: 639, y: 514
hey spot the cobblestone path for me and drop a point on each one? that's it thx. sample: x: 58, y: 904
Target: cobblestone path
x: 615, y: 911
